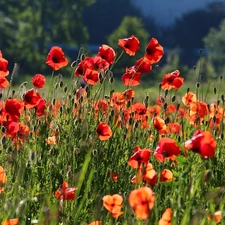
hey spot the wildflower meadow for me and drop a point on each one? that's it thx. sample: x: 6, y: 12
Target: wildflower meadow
x: 84, y: 153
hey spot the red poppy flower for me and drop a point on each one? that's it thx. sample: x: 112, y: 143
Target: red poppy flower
x: 174, y: 128
x: 166, y: 175
x: 202, y: 143
x: 98, y: 63
x: 127, y: 95
x: 3, y: 66
x: 56, y: 58
x: 12, y: 128
x: 113, y: 175
x: 104, y: 131
x: 113, y: 203
x: 142, y: 201
x: 82, y: 66
x: 166, y: 217
x: 142, y: 66
x: 101, y: 105
x: 65, y: 193
x: 107, y: 53
x: 90, y: 76
x: 172, y: 80
x: 38, y: 81
x: 166, y: 149
x: 11, y: 222
x: 31, y: 99
x: 40, y: 108
x: 140, y: 156
x: 129, y: 45
x: 154, y: 51
x: 13, y: 108
x: 139, y: 109
x: 3, y: 82
x: 131, y: 77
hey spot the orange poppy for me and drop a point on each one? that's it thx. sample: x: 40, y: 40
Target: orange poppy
x: 189, y: 98
x: 51, y: 140
x: 129, y: 45
x: 56, y: 59
x: 3, y: 66
x: 216, y: 113
x: 113, y: 203
x: 127, y: 95
x: 153, y: 52
x: 140, y: 156
x: 159, y: 125
x: 198, y: 109
x: 142, y: 200
x: 11, y: 222
x: 38, y: 81
x: 149, y: 176
x: 3, y: 176
x: 97, y: 222
x: 166, y: 175
x: 3, y: 82
x: 172, y: 81
x: 202, y: 143
x: 167, y: 149
x: 146, y: 174
x: 104, y: 131
x: 107, y: 53
x: 166, y: 217
x: 154, y: 111
x: 217, y: 216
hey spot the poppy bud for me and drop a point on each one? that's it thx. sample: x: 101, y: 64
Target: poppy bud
x: 207, y: 176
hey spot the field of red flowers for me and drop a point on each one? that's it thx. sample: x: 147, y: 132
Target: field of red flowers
x: 78, y: 154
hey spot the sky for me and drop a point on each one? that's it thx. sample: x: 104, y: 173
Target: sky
x: 165, y: 12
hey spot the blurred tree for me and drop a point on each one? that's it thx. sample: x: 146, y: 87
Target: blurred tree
x: 103, y: 17
x: 129, y: 26
x: 189, y: 31
x: 29, y: 27
x: 173, y: 63
x: 215, y: 45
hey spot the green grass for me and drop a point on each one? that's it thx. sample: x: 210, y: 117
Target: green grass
x: 36, y: 169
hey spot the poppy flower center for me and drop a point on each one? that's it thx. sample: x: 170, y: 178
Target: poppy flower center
x: 143, y: 202
x: 55, y: 60
x: 149, y: 51
x: 126, y: 46
x: 171, y: 79
x: 165, y: 154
